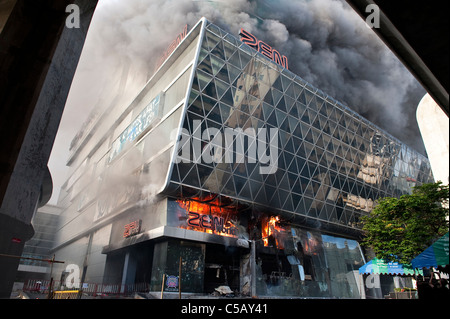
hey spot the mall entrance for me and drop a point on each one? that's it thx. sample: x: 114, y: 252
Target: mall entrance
x: 222, y: 267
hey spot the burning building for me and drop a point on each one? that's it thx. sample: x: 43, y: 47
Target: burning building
x: 234, y: 166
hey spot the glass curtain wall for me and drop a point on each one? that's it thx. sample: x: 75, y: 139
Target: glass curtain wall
x: 331, y: 166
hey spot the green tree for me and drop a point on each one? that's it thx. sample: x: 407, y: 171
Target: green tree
x: 398, y: 229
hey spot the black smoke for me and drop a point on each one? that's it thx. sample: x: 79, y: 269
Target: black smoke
x: 326, y: 42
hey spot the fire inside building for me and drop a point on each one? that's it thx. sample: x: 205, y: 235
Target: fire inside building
x: 234, y: 166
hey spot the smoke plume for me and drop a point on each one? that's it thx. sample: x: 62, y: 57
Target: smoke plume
x: 326, y: 42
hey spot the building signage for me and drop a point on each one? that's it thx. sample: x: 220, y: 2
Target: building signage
x: 132, y: 229
x: 214, y: 224
x: 143, y: 121
x: 263, y: 48
x: 172, y: 46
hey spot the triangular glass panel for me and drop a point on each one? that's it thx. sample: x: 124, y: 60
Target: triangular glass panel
x: 175, y: 177
x: 281, y: 116
x: 267, y: 110
x: 196, y: 106
x: 223, y: 74
x: 282, y: 105
x: 195, y: 84
x: 292, y: 124
x: 308, y: 148
x: 263, y: 90
x: 216, y: 64
x: 323, y: 109
x: 221, y: 87
x: 213, y: 40
x: 273, y: 120
x: 245, y: 58
x: 308, y: 137
x: 296, y: 187
x: 285, y: 126
x: 312, y: 115
x: 208, y: 103
x: 239, y: 183
x: 255, y: 175
x: 233, y: 72
x: 228, y: 188
x: 305, y: 117
x: 227, y: 97
x: 277, y: 84
x: 308, y: 190
x: 228, y: 49
x: 192, y: 177
x: 203, y: 79
x: 210, y: 90
x: 284, y: 183
x: 294, y: 111
x: 302, y: 97
x: 211, y: 183
x: 215, y: 114
x: 254, y: 89
x: 316, y: 122
x: 277, y: 95
x: 297, y: 202
x: 204, y: 172
x: 245, y: 191
x: 205, y: 65
x: 214, y: 29
x: 290, y: 102
x: 268, y: 98
x: 297, y: 89
x: 309, y: 96
x: 288, y: 204
x: 261, y: 196
x: 301, y: 109
x: 272, y: 195
x: 235, y: 60
x: 219, y: 51
x: 290, y: 91
x: 286, y: 82
x: 301, y: 151
x: 305, y: 171
x: 202, y: 55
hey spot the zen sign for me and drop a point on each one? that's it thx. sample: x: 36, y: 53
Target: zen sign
x: 263, y: 48
x: 132, y: 228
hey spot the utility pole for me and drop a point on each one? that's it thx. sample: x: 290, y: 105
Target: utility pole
x: 253, y: 266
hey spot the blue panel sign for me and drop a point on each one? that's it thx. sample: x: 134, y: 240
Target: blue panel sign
x: 139, y: 125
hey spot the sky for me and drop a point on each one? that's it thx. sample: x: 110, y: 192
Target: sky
x: 326, y: 42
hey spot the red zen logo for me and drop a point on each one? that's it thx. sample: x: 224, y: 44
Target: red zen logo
x: 132, y: 228
x: 214, y: 223
x: 263, y: 48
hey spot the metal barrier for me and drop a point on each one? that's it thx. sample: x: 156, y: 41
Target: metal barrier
x: 67, y: 294
x: 87, y: 289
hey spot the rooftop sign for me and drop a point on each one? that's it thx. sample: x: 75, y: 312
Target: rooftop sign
x: 263, y: 48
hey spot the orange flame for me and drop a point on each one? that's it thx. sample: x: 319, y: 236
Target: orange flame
x: 270, y: 231
x: 209, y: 217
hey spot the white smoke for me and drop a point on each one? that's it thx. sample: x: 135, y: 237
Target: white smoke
x: 326, y: 42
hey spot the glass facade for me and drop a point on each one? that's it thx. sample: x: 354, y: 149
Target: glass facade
x: 331, y: 165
